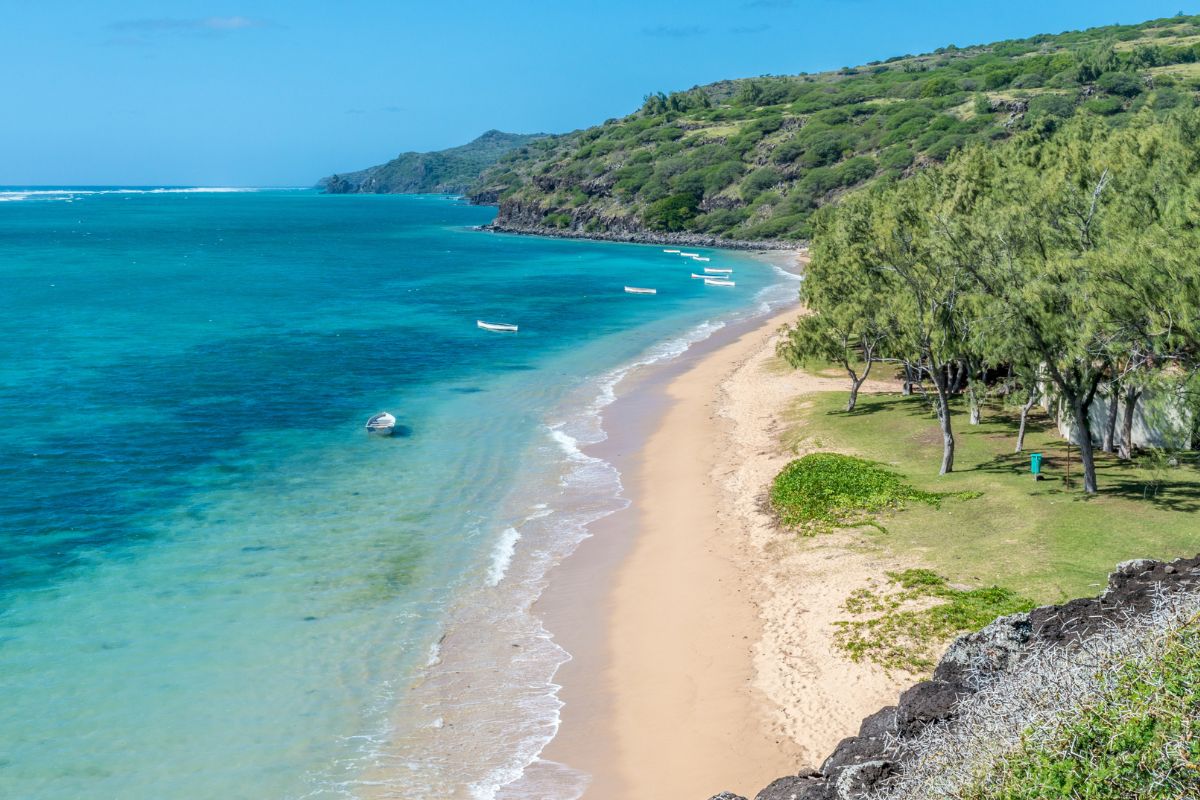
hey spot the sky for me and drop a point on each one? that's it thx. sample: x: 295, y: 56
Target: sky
x: 259, y: 93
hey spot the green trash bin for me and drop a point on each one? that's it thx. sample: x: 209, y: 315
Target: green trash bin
x: 1035, y: 464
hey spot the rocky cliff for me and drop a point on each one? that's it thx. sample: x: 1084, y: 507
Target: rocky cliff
x: 862, y: 764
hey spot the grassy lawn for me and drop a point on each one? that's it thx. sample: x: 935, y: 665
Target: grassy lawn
x: 1038, y: 539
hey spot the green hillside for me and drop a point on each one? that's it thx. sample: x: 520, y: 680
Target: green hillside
x: 754, y: 158
x: 452, y: 170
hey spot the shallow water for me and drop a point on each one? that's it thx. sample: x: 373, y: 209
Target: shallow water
x: 213, y: 583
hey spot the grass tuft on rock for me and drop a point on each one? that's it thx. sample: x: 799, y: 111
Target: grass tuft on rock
x: 829, y: 490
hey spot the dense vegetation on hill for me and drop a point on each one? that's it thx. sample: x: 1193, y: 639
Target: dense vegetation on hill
x: 754, y: 158
x: 451, y: 170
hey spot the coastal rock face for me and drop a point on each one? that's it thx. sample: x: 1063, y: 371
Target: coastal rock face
x: 860, y: 763
x: 529, y: 218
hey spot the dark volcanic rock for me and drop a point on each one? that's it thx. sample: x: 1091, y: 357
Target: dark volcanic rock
x: 881, y: 723
x: 931, y: 701
x: 726, y: 796
x: 806, y: 786
x: 859, y: 763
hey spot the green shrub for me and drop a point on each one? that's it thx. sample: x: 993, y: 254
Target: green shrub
x: 829, y: 490
x: 1104, y: 106
x: 1122, y: 84
x: 942, y: 149
x: 1051, y: 105
x: 757, y: 181
x: 671, y: 213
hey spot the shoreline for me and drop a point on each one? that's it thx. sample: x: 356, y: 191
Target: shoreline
x: 648, y: 237
x: 697, y: 666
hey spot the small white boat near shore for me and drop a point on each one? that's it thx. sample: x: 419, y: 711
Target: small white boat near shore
x: 502, y: 327
x: 718, y: 282
x: 639, y: 290
x: 717, y: 271
x: 689, y: 255
x: 700, y: 258
x: 670, y: 251
x: 381, y: 424
x: 694, y: 275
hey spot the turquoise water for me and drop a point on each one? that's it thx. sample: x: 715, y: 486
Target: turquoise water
x: 213, y: 583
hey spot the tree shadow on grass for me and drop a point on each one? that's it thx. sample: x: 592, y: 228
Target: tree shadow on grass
x: 1116, y: 479
x: 1170, y: 495
x: 861, y: 410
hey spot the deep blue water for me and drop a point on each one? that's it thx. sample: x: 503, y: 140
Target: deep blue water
x: 212, y: 582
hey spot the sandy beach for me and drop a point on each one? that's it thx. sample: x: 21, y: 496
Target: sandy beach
x: 713, y: 667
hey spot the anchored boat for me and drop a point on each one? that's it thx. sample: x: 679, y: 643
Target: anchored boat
x: 700, y: 258
x: 694, y: 275
x: 638, y: 290
x: 689, y: 255
x: 716, y: 271
x: 670, y: 251
x: 718, y: 282
x: 502, y: 327
x: 382, y: 424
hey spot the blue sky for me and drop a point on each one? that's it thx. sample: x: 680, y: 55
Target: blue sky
x: 242, y: 92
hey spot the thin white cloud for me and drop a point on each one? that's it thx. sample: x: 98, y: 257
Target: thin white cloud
x: 203, y: 25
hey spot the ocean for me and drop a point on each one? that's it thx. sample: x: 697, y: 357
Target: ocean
x: 213, y: 582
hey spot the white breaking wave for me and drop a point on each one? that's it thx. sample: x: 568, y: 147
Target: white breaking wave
x: 502, y: 555
x: 63, y: 194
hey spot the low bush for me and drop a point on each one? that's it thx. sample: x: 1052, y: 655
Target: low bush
x: 829, y: 490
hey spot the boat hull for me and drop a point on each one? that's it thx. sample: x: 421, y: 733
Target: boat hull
x: 499, y: 327
x: 381, y: 424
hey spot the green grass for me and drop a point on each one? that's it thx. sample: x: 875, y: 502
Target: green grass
x: 1142, y: 739
x: 829, y: 490
x: 1037, y: 539
x: 902, y: 625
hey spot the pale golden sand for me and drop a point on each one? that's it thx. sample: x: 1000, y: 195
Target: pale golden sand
x: 717, y: 670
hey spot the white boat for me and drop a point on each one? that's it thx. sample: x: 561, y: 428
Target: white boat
x: 503, y: 327
x: 689, y: 255
x: 382, y: 424
x: 718, y: 282
x: 670, y: 251
x: 638, y: 290
x: 700, y: 258
x: 716, y: 271
x: 694, y: 275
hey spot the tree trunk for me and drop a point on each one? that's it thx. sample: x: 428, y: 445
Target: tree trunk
x: 908, y: 381
x: 956, y: 377
x: 1132, y: 395
x: 943, y: 412
x: 973, y: 395
x: 1110, y: 426
x: 1083, y: 425
x: 1025, y: 409
x: 856, y: 382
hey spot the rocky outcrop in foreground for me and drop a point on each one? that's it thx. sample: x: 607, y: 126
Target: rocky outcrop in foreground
x: 860, y: 764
